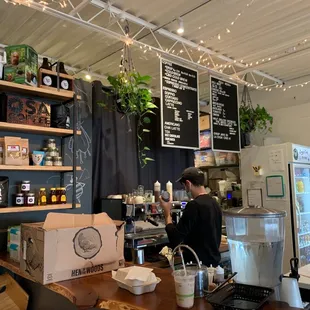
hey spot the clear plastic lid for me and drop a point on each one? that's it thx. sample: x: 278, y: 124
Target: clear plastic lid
x: 254, y: 211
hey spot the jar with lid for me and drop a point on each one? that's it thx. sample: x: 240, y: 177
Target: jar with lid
x: 52, y: 152
x: 29, y: 199
x: 19, y: 199
x: 53, y: 196
x: 48, y: 161
x: 57, y: 161
x: 42, y: 200
x: 62, y: 195
x: 256, y: 237
x: 25, y: 186
x: 51, y: 143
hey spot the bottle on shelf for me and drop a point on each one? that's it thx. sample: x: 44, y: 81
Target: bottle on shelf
x: 42, y: 199
x: 53, y: 196
x: 157, y: 188
x: 169, y: 189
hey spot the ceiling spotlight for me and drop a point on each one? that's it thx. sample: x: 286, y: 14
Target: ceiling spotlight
x: 180, y: 29
x: 88, y: 75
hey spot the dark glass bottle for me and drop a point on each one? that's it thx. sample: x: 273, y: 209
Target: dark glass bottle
x: 46, y: 64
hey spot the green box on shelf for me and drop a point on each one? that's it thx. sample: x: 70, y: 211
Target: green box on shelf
x: 22, y: 65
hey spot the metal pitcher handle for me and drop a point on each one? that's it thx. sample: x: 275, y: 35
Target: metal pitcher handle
x: 187, y: 247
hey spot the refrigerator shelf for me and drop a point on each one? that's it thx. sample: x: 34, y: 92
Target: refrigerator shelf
x: 303, y: 193
x: 304, y: 233
x: 304, y: 246
x: 303, y: 177
x: 304, y: 213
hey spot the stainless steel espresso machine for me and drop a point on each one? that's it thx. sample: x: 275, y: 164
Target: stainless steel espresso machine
x: 145, y: 227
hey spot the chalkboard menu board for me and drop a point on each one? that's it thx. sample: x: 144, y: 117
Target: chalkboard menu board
x: 179, y: 106
x: 224, y: 116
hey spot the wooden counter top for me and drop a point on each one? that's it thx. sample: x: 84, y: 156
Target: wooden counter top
x: 85, y: 292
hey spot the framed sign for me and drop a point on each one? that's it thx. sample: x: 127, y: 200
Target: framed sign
x: 225, y: 124
x: 179, y: 106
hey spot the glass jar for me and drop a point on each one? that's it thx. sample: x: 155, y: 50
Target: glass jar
x: 58, y: 194
x: 256, y: 243
x: 53, y: 196
x: 52, y: 152
x: 19, y: 199
x: 42, y: 197
x: 63, y: 196
x: 57, y: 161
x: 29, y: 200
x: 51, y: 143
x: 48, y: 161
x: 25, y: 186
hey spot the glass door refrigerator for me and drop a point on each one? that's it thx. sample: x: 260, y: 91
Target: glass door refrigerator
x: 300, y: 204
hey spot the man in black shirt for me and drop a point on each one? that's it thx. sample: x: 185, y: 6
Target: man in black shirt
x: 200, y: 226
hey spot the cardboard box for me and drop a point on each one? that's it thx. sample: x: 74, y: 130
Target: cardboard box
x: 69, y: 246
x: 24, y: 110
x: 13, y: 151
x: 12, y: 296
x: 204, y: 122
x: 22, y: 65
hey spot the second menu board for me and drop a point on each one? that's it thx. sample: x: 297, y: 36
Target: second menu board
x: 224, y: 116
x: 179, y: 106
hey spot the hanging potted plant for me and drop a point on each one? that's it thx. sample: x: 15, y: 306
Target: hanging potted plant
x: 133, y: 98
x: 252, y: 119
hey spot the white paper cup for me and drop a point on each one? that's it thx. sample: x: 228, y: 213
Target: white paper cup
x: 184, y: 287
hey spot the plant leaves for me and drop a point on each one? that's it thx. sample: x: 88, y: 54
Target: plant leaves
x: 146, y: 120
x: 146, y: 148
x: 151, y: 105
x: 149, y: 159
x: 146, y: 130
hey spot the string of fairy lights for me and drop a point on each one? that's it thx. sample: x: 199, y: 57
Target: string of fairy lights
x: 63, y: 3
x: 204, y: 58
x: 228, y: 29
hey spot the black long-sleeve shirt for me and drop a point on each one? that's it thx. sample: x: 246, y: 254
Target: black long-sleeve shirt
x: 200, y: 227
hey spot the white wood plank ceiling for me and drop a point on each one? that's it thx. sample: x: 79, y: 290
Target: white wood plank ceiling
x: 271, y: 36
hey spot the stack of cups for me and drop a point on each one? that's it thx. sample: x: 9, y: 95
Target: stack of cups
x: 185, y: 287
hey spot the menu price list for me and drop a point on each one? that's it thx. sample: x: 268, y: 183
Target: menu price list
x: 225, y: 116
x: 180, y: 114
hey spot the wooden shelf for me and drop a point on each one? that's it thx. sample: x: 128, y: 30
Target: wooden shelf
x: 62, y: 95
x: 219, y: 167
x: 37, y: 208
x: 38, y: 168
x: 37, y: 129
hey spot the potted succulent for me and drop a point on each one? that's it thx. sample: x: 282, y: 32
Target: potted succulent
x: 134, y: 98
x: 253, y: 119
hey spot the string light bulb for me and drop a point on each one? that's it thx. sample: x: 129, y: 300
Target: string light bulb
x: 180, y: 29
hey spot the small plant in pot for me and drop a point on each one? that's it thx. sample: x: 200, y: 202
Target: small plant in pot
x: 253, y: 119
x: 134, y: 98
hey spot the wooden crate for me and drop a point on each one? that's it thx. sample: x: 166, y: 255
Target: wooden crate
x: 48, y: 80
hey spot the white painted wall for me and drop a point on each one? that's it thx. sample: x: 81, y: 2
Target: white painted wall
x: 290, y: 110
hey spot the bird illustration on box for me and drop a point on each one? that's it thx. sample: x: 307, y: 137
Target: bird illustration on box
x: 86, y: 244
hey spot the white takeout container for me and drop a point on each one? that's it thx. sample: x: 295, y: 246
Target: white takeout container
x: 122, y: 273
x: 147, y: 287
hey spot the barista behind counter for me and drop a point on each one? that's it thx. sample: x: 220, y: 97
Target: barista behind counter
x: 200, y: 226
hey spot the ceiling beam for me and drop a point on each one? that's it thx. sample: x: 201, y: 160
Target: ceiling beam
x: 123, y: 14
x: 79, y: 7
